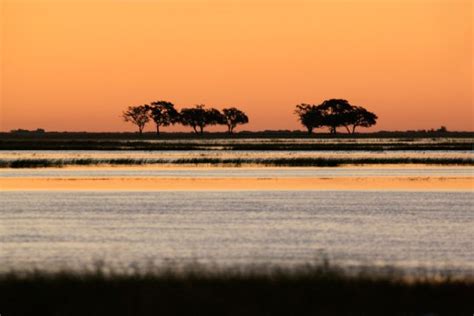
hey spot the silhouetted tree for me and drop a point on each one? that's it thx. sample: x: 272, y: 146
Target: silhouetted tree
x: 359, y: 116
x: 233, y: 117
x: 199, y: 117
x: 310, y: 116
x: 163, y: 113
x: 137, y: 115
x: 214, y: 117
x: 336, y: 113
x: 442, y: 129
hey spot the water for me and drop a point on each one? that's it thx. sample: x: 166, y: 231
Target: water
x: 69, y: 228
x: 240, y: 172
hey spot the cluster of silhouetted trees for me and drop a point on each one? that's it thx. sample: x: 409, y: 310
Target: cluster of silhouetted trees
x: 163, y: 113
x: 334, y: 113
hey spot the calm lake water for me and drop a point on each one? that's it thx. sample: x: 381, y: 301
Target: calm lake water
x: 240, y: 172
x: 50, y: 230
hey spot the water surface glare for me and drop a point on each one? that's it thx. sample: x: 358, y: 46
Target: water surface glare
x: 224, y: 172
x: 69, y: 228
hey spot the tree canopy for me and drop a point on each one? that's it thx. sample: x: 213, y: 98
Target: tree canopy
x: 361, y: 117
x: 163, y: 113
x: 334, y: 113
x: 310, y: 116
x: 137, y: 115
x: 233, y: 117
x: 199, y: 117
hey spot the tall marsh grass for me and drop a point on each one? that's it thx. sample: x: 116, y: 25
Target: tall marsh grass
x: 199, y: 290
x: 236, y: 144
x: 279, y: 162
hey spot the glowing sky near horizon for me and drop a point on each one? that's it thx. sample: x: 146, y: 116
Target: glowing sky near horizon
x: 75, y: 65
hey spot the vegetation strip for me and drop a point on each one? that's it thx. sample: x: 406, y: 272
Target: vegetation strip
x: 75, y: 144
x: 280, y: 162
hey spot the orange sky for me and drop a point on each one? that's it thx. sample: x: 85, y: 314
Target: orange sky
x: 75, y: 65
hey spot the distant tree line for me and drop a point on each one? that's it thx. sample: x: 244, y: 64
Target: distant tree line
x: 164, y: 113
x: 334, y: 113
x: 26, y: 131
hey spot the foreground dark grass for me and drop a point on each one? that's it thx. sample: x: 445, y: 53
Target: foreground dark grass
x: 276, y: 162
x: 308, y: 290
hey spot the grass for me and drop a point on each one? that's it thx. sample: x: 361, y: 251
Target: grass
x: 242, y: 134
x: 304, y: 290
x: 233, y: 145
x: 277, y: 162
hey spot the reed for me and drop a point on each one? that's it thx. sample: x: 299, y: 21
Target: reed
x: 253, y: 290
x: 236, y: 144
x: 278, y: 162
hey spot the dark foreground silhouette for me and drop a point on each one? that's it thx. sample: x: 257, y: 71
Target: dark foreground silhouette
x: 308, y: 290
x: 231, y: 162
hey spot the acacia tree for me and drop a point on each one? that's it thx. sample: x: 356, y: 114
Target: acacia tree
x: 198, y: 117
x: 310, y: 116
x: 360, y: 116
x: 163, y: 113
x: 336, y: 113
x: 233, y: 117
x: 137, y: 115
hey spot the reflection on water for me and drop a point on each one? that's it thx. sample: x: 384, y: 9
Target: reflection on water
x: 348, y: 140
x: 240, y: 172
x: 406, y: 229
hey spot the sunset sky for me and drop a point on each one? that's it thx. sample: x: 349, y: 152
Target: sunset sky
x: 76, y: 65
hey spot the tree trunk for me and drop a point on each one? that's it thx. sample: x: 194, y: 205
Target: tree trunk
x: 354, y: 129
x: 195, y: 130
x: 157, y: 129
x: 140, y: 130
x: 310, y: 130
x: 347, y: 128
x: 201, y: 129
